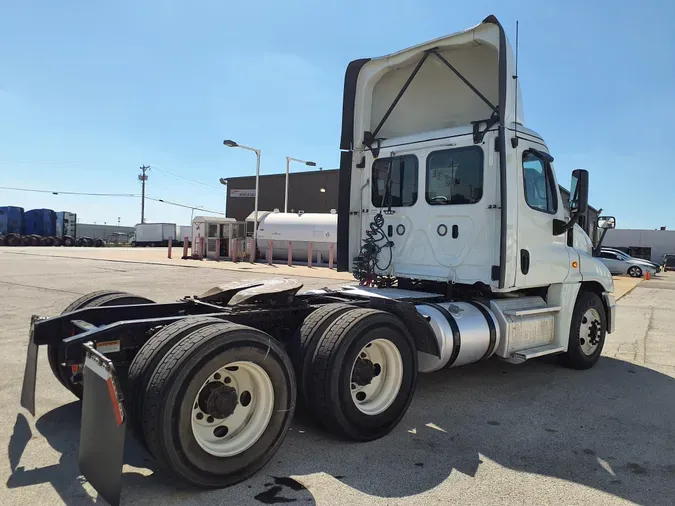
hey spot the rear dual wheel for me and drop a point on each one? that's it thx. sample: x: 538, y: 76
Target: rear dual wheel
x: 360, y: 377
x: 68, y: 375
x: 217, y: 404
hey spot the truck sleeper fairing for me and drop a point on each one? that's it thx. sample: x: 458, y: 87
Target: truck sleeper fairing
x: 435, y: 99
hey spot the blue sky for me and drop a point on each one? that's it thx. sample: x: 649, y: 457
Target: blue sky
x: 91, y: 91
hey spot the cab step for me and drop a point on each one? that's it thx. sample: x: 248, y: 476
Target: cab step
x: 538, y: 351
x: 533, y: 311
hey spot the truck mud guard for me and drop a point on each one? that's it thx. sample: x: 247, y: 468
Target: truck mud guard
x: 30, y: 372
x: 103, y: 427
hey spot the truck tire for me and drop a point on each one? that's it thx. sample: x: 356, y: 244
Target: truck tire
x: 304, y: 343
x: 146, y: 360
x: 94, y: 299
x: 56, y: 241
x: 14, y: 240
x: 68, y: 241
x: 588, y: 329
x: 219, y: 405
x: 364, y: 373
x: 79, y: 242
x: 3, y: 240
x: 98, y: 243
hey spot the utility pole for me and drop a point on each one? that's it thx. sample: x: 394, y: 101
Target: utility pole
x: 143, y: 177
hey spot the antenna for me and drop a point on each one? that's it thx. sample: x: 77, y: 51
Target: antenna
x: 514, y: 140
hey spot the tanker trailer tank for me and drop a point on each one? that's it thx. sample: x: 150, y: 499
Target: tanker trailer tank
x: 300, y: 229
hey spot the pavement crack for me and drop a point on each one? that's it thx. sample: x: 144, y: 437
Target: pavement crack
x: 649, y: 328
x: 40, y: 288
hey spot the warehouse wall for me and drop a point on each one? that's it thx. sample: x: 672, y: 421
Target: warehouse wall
x: 304, y: 193
x: 630, y: 240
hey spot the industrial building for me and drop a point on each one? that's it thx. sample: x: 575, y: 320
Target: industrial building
x: 647, y: 244
x: 313, y: 191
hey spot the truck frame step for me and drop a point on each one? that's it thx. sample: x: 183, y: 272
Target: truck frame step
x: 533, y: 311
x: 539, y: 351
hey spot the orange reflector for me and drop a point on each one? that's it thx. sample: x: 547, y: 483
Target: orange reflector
x: 575, y: 264
x: 74, y: 368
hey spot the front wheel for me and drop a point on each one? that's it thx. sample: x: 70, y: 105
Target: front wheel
x: 635, y: 272
x: 587, y: 332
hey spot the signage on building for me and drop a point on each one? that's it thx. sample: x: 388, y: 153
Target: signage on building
x: 242, y: 193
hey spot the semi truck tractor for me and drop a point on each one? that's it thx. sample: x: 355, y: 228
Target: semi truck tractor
x: 450, y: 218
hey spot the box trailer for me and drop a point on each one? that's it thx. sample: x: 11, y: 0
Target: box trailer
x: 153, y: 234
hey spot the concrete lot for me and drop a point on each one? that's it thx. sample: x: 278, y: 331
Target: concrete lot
x: 492, y: 433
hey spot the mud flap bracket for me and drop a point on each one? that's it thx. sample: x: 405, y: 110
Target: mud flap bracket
x: 103, y: 426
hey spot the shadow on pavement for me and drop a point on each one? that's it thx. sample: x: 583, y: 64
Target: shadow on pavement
x: 610, y: 428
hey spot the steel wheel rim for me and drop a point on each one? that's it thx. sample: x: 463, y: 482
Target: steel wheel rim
x: 380, y: 390
x: 590, y: 331
x: 251, y: 413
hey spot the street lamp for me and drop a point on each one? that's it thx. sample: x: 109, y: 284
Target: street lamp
x: 288, y: 168
x: 223, y: 181
x: 231, y: 144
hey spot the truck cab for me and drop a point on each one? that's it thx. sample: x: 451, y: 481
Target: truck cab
x: 440, y: 176
x: 443, y: 187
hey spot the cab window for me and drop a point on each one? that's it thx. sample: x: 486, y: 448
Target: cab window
x: 539, y: 184
x: 400, y: 174
x: 455, y: 176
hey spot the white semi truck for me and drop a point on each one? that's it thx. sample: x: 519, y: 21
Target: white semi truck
x: 450, y: 217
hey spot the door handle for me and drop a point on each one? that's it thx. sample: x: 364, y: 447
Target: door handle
x: 524, y: 261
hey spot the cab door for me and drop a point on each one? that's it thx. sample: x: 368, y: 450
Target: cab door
x: 543, y: 258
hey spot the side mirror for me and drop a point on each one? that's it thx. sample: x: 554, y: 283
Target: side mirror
x: 579, y: 191
x: 606, y: 222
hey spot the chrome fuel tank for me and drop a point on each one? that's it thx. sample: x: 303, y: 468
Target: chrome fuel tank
x: 466, y: 332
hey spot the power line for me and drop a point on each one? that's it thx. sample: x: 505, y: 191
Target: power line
x: 164, y: 201
x: 186, y: 179
x: 197, y: 208
x: 71, y: 193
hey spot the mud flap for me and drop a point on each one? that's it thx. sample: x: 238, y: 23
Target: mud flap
x: 103, y: 427
x: 29, y: 373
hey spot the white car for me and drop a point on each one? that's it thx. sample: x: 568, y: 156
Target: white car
x: 620, y: 263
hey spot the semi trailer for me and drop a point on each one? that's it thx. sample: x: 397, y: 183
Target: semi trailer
x: 451, y: 219
x: 153, y: 234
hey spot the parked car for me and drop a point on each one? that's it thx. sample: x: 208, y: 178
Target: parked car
x: 626, y: 256
x: 619, y: 262
x: 668, y: 262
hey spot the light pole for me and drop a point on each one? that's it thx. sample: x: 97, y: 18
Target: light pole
x: 223, y: 181
x: 288, y: 169
x: 232, y: 144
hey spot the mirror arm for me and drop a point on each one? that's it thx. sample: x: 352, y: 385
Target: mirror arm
x: 560, y: 227
x: 596, y: 249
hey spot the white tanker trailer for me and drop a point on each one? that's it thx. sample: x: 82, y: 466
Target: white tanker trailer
x: 300, y: 229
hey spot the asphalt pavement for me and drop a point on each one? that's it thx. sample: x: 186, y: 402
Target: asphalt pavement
x: 491, y: 433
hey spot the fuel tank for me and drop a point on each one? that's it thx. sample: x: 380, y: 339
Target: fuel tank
x: 466, y: 332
